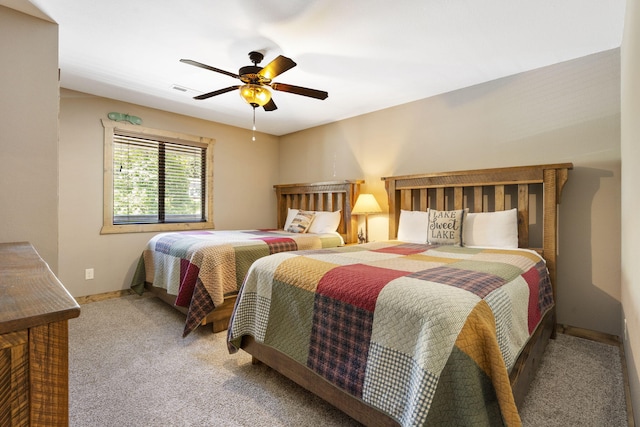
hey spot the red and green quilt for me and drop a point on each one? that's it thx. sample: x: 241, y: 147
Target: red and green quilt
x: 426, y: 334
x: 201, y: 267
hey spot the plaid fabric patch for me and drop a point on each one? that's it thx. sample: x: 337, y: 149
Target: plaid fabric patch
x: 339, y: 343
x: 250, y: 319
x: 540, y: 294
x: 391, y: 377
x: 261, y: 232
x: 501, y: 307
x: 201, y: 305
x: 404, y: 249
x: 179, y: 245
x: 280, y: 244
x: 188, y: 275
x: 532, y: 277
x: 545, y: 288
x: 480, y: 284
x: 164, y: 244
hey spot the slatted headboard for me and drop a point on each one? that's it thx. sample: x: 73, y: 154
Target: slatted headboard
x: 534, y: 190
x: 321, y: 196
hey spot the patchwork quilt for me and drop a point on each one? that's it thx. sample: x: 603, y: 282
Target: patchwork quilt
x: 201, y: 267
x: 427, y: 334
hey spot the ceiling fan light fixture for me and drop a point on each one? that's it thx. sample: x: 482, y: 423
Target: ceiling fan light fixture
x: 255, y: 95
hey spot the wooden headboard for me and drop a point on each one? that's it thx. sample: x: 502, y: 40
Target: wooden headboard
x: 321, y: 196
x: 534, y: 190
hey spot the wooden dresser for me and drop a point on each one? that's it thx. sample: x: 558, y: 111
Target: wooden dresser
x: 34, y: 362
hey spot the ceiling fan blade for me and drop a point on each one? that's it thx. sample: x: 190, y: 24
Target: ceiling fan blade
x: 277, y: 67
x: 312, y: 93
x: 209, y: 67
x: 270, y: 106
x: 216, y: 92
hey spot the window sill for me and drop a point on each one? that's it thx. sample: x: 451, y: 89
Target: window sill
x: 146, y: 228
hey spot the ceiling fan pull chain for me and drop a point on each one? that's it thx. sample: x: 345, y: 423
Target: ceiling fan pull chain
x: 253, y: 135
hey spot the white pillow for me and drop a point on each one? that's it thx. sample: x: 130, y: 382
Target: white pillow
x: 412, y: 226
x: 325, y: 222
x: 291, y: 214
x: 491, y: 229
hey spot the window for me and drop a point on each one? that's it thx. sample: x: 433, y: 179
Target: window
x: 156, y: 180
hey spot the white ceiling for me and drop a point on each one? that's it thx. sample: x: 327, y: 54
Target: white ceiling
x: 368, y: 54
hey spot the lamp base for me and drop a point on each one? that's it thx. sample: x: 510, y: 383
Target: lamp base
x: 361, y: 237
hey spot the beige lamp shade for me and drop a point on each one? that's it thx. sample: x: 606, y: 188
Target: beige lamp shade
x: 366, y: 204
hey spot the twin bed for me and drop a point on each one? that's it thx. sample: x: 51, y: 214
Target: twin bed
x: 438, y: 326
x: 200, y: 272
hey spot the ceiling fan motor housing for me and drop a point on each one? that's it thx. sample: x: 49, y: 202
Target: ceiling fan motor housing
x: 249, y: 74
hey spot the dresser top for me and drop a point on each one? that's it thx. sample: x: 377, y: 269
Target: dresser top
x: 30, y: 294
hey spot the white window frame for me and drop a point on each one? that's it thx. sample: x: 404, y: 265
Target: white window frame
x: 110, y: 127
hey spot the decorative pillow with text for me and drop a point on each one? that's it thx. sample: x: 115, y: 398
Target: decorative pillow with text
x: 445, y: 227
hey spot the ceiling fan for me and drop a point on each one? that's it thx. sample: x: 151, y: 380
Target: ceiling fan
x: 257, y: 80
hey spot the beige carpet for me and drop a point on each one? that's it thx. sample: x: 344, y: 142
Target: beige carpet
x: 129, y: 366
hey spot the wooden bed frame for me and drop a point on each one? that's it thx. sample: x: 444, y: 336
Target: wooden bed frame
x: 327, y: 196
x: 534, y: 190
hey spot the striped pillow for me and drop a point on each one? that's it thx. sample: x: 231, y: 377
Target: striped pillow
x: 301, y: 222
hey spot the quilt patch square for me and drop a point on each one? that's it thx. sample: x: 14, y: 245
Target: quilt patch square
x: 260, y: 232
x: 404, y: 249
x: 545, y: 288
x: 246, y: 322
x: 201, y: 305
x: 165, y: 243
x: 286, y: 331
x: 279, y: 244
x: 540, y: 293
x: 357, y: 284
x: 339, y: 343
x: 188, y: 276
x: 391, y: 377
x: 480, y: 284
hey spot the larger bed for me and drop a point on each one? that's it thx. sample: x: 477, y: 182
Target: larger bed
x: 405, y: 332
x: 200, y: 272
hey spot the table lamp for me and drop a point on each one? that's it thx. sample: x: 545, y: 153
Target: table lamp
x: 365, y: 205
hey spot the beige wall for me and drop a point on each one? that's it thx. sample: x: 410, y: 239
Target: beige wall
x: 244, y: 175
x: 29, y: 132
x: 630, y: 147
x: 568, y: 112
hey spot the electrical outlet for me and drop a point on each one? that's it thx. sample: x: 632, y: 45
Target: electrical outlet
x: 88, y: 274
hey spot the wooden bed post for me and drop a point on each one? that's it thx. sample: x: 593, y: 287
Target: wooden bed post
x: 394, y: 206
x: 550, y: 226
x: 351, y: 221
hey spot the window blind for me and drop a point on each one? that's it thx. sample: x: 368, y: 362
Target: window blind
x: 157, y: 181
